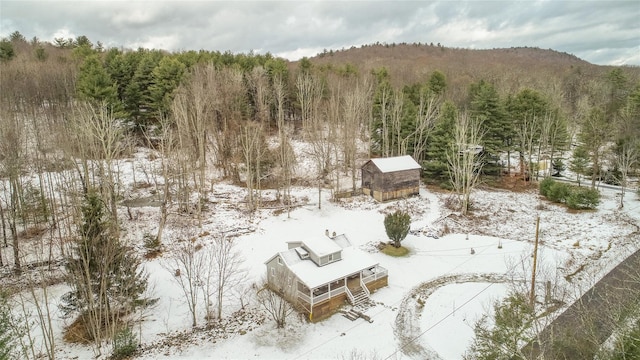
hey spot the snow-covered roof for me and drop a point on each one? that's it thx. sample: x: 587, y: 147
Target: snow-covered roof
x: 320, y: 245
x: 342, y: 240
x: 396, y: 163
x: 353, y: 261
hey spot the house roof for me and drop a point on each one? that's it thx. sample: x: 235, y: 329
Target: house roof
x: 353, y: 261
x: 396, y: 163
x: 320, y: 245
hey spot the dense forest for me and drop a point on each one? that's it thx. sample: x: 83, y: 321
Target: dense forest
x: 71, y: 108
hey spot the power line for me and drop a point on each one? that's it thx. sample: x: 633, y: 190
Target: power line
x: 448, y: 315
x: 450, y: 271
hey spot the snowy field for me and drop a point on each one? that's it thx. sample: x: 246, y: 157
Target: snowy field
x: 435, y: 294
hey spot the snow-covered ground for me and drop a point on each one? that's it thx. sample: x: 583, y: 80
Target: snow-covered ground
x: 435, y: 294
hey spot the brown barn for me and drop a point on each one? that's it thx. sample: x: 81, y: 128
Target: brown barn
x: 391, y: 178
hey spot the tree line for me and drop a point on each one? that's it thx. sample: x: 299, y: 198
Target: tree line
x: 70, y: 110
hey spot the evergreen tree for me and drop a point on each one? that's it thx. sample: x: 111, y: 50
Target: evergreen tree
x: 627, y: 346
x: 6, y: 335
x: 120, y: 70
x: 579, y: 162
x: 6, y: 50
x: 511, y: 319
x: 595, y: 133
x: 436, y: 164
x: 485, y: 105
x: 139, y: 100
x: 166, y: 78
x: 397, y: 226
x: 437, y: 83
x: 94, y: 84
x: 104, y: 275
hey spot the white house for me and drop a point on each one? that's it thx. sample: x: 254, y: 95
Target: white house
x: 319, y: 274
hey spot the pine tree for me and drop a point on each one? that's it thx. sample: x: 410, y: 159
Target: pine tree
x: 579, y: 162
x: 511, y: 319
x: 104, y: 275
x: 166, y: 78
x: 95, y: 85
x: 436, y: 165
x: 6, y: 337
x: 138, y: 94
x: 397, y: 226
x: 486, y: 106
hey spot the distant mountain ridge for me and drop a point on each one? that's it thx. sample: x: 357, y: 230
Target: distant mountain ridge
x: 516, y: 66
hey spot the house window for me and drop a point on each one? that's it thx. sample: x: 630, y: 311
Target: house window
x: 273, y: 272
x: 279, y: 261
x: 330, y: 257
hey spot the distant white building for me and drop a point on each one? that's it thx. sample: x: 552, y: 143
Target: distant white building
x: 319, y: 274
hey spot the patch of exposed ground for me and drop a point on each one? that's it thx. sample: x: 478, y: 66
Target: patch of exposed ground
x: 238, y: 324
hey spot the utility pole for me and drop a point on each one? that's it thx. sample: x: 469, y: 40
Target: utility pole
x: 533, y: 272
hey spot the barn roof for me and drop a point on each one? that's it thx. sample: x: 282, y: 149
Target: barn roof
x: 396, y: 163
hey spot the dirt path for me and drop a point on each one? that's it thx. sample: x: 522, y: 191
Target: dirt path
x: 407, y: 325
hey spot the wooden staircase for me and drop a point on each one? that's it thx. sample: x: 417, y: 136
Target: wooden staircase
x: 359, y: 297
x: 359, y: 304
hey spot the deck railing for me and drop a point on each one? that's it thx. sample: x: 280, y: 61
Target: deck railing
x: 324, y: 296
x: 378, y: 273
x: 350, y: 295
x: 304, y: 297
x: 364, y: 287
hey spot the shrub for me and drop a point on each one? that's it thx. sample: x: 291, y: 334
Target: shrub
x: 397, y: 226
x: 7, y: 335
x: 545, y: 186
x: 628, y: 345
x: 125, y: 344
x: 575, y: 197
x: 151, y: 242
x: 583, y: 198
x: 558, y: 192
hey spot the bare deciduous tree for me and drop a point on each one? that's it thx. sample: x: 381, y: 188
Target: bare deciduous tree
x: 251, y: 141
x: 100, y: 141
x: 464, y: 158
x: 356, y: 102
x: 188, y: 264
x: 12, y: 148
x: 227, y: 264
x: 286, y: 155
x: 275, y: 294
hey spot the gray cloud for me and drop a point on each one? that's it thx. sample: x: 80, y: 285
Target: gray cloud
x: 602, y: 32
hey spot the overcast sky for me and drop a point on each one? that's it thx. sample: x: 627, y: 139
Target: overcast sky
x: 601, y: 32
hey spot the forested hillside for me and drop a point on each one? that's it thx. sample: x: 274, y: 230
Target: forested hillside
x: 69, y: 110
x: 73, y: 99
